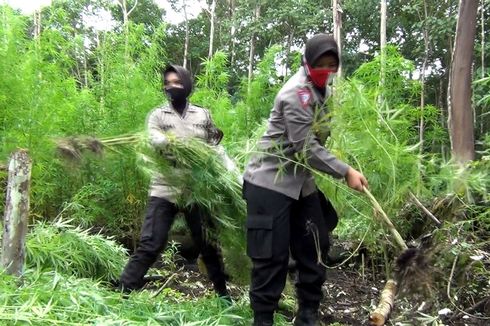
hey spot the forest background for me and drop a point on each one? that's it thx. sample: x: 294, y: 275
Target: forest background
x: 60, y: 76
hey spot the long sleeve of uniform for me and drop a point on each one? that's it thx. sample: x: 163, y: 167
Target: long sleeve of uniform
x: 155, y: 127
x: 214, y: 134
x: 228, y: 163
x: 299, y: 121
x: 214, y: 137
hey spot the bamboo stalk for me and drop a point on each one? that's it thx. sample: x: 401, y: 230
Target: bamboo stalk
x: 398, y: 238
x: 380, y: 315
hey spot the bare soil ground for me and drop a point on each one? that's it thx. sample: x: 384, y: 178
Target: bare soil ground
x: 349, y: 297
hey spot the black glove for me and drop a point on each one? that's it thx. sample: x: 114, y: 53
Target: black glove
x: 215, y: 136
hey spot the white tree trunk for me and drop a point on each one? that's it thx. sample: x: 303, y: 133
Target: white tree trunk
x: 422, y: 79
x: 16, y: 213
x: 288, y: 52
x: 482, y: 8
x: 211, y: 32
x: 232, y: 33
x: 382, y: 45
x: 460, y: 119
x: 101, y: 70
x: 186, y: 42
x: 337, y: 28
x: 126, y: 13
x: 37, y: 23
x: 382, y: 42
x: 252, y: 49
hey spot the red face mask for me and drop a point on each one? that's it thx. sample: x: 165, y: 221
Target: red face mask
x: 318, y: 76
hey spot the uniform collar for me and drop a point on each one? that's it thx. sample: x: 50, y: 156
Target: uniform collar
x: 169, y: 109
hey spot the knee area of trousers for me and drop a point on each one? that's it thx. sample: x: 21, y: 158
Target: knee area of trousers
x: 281, y: 258
x: 150, y: 248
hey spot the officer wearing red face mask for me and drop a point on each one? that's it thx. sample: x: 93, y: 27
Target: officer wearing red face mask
x: 284, y: 207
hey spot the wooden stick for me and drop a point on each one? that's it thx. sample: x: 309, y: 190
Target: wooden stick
x: 387, y: 300
x: 386, y: 303
x: 362, y: 266
x: 16, y: 213
x: 171, y: 277
x: 398, y: 238
x: 468, y: 311
x: 424, y: 209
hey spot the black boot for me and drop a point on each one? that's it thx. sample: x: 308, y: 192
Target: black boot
x: 306, y: 316
x: 263, y: 319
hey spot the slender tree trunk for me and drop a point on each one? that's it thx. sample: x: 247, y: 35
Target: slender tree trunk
x: 122, y: 3
x: 460, y: 112
x: 252, y: 48
x: 288, y: 51
x: 482, y: 38
x: 251, y: 54
x: 211, y: 32
x: 482, y: 124
x: 16, y: 213
x: 84, y: 58
x: 85, y: 68
x: 445, y: 121
x: 337, y: 28
x: 442, y: 120
x: 37, y: 24
x: 186, y: 42
x: 422, y: 79
x: 126, y: 13
x: 101, y: 71
x: 382, y: 44
x: 449, y: 60
x: 232, y: 32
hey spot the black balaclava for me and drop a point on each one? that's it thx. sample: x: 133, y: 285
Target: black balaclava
x: 317, y: 46
x: 178, y: 96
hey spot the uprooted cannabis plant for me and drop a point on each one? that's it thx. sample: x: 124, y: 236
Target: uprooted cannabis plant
x: 199, y: 175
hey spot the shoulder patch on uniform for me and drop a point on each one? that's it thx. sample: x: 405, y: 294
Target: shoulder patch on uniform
x: 304, y: 95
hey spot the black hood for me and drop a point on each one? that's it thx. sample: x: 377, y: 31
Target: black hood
x: 319, y: 45
x: 184, y: 75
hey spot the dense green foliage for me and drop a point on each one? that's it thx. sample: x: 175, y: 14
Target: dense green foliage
x: 73, y: 251
x: 72, y: 79
x: 48, y: 298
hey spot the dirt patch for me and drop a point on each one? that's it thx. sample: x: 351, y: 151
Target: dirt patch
x: 349, y: 296
x: 346, y: 293
x: 186, y: 278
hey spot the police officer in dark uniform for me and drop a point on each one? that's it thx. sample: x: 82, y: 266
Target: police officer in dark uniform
x: 284, y: 208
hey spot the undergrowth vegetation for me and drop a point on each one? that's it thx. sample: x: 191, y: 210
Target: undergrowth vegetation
x: 52, y: 298
x: 83, y: 209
